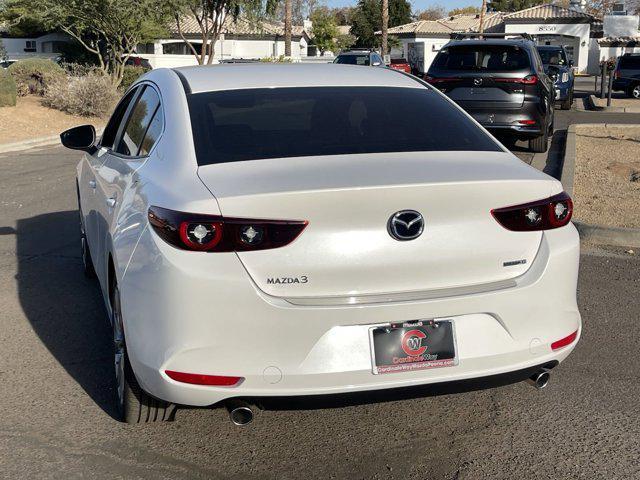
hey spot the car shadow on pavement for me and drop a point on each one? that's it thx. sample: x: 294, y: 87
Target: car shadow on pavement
x: 64, y: 308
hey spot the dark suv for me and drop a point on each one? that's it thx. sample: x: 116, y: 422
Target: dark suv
x: 501, y: 82
x: 626, y: 77
x: 365, y: 57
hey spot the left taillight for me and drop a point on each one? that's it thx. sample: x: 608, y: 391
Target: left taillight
x: 553, y: 212
x: 214, y: 233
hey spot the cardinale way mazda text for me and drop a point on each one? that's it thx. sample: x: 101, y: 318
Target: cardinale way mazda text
x: 263, y: 232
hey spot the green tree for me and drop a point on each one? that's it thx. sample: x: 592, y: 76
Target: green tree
x: 211, y: 17
x: 367, y: 19
x: 470, y: 10
x: 343, y: 15
x: 434, y: 12
x: 109, y: 29
x: 512, y: 5
x: 324, y: 29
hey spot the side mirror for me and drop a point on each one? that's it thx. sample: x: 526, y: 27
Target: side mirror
x: 80, y: 138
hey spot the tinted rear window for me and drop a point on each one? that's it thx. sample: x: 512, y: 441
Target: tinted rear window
x: 552, y: 56
x: 353, y: 59
x: 241, y: 125
x: 496, y: 58
x: 630, y: 62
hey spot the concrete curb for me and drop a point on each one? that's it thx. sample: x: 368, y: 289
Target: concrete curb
x: 36, y: 142
x: 591, y: 103
x: 616, y: 236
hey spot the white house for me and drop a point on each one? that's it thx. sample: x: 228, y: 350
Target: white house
x: 550, y: 24
x: 241, y: 39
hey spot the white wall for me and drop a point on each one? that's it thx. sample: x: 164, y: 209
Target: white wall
x: 580, y: 30
x: 432, y: 46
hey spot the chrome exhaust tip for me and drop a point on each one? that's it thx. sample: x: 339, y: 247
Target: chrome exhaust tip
x: 240, y: 413
x: 540, y: 379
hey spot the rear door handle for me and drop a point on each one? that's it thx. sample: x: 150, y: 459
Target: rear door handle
x: 111, y: 202
x: 92, y: 184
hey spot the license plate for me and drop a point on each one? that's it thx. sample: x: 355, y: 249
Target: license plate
x: 412, y: 346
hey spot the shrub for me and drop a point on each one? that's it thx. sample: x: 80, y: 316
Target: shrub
x: 131, y: 74
x: 92, y: 94
x: 8, y: 90
x: 34, y: 75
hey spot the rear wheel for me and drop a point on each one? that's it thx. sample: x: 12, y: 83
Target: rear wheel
x: 566, y: 105
x: 134, y: 404
x: 634, y: 91
x: 539, y: 144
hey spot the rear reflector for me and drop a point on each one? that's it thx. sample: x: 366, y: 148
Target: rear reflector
x: 563, y: 342
x: 199, y: 379
x: 527, y: 122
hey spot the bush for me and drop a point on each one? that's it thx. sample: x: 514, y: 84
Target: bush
x: 92, y: 94
x: 131, y: 74
x: 8, y: 91
x: 34, y: 75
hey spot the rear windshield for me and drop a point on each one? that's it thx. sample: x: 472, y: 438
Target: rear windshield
x: 630, y: 62
x: 552, y: 56
x: 353, y: 59
x: 497, y: 58
x: 239, y: 125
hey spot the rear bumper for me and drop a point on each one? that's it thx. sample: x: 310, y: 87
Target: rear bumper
x: 511, y: 121
x: 185, y: 314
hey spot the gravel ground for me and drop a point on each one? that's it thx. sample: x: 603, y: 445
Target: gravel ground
x: 29, y: 119
x: 608, y: 159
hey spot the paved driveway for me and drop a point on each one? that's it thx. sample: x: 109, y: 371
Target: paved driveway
x: 56, y: 389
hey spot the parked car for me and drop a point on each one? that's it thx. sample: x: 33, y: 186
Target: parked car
x: 139, y: 62
x: 365, y: 57
x: 268, y: 230
x: 560, y: 69
x: 501, y: 82
x: 400, y: 64
x: 626, y: 76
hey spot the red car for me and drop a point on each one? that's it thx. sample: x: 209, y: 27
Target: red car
x: 400, y: 64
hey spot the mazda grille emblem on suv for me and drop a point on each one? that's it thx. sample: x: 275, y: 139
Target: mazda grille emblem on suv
x: 477, y: 81
x: 406, y: 225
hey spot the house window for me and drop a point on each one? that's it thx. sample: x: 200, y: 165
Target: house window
x: 180, y: 48
x: 30, y: 46
x: 145, y: 48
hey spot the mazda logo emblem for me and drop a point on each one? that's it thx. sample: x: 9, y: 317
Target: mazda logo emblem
x: 406, y: 225
x: 477, y: 81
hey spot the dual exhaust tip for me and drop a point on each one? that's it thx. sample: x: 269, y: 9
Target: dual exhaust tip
x: 242, y: 413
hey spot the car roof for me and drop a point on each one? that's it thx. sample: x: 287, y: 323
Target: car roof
x: 273, y: 75
x: 550, y: 47
x: 356, y: 52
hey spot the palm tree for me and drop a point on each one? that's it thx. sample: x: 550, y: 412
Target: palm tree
x: 482, y: 12
x: 287, y: 28
x: 385, y: 25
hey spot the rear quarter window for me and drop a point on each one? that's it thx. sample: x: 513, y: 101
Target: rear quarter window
x: 243, y: 125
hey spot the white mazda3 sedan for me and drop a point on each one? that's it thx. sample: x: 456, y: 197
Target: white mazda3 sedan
x: 264, y: 231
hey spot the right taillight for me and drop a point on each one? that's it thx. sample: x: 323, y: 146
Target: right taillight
x: 214, y: 233
x: 528, y: 80
x: 553, y: 212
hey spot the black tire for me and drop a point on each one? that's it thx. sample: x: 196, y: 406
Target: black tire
x: 539, y: 144
x: 566, y: 105
x: 134, y: 405
x: 634, y: 91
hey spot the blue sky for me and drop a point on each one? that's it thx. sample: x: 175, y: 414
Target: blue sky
x: 417, y: 4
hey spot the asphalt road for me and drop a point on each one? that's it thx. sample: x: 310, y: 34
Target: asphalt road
x: 56, y: 389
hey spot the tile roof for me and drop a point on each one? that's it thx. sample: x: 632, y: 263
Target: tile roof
x: 239, y: 26
x: 454, y: 24
x: 548, y: 11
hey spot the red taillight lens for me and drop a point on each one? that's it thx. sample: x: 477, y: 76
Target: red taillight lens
x: 528, y: 80
x: 527, y: 122
x: 545, y: 214
x: 563, y: 342
x: 199, y: 379
x: 212, y: 233
x: 616, y: 74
